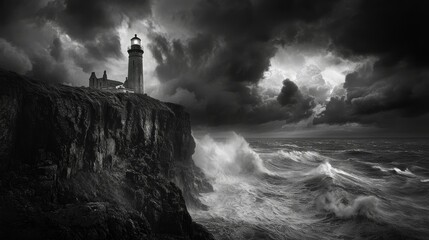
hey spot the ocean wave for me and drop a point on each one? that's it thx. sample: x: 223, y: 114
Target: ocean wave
x: 326, y: 169
x: 289, y: 145
x: 230, y: 157
x: 406, y: 172
x: 309, y: 195
x: 396, y: 170
x: 343, y: 208
x: 302, y: 156
x: 357, y: 152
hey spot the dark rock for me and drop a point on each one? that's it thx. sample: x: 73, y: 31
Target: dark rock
x: 78, y: 163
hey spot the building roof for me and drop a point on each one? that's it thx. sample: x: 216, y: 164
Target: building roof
x: 135, y: 37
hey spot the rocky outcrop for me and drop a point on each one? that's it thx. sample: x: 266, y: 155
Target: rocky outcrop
x: 78, y: 163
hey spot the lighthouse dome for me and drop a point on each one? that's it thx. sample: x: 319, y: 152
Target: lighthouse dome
x: 135, y: 40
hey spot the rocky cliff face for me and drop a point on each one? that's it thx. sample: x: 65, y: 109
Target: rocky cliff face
x: 78, y: 163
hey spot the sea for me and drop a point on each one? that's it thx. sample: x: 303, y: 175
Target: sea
x: 314, y: 188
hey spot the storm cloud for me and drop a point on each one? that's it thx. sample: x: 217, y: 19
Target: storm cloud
x: 376, y: 95
x: 212, y: 56
x: 32, y: 30
x: 223, y: 63
x: 395, y: 87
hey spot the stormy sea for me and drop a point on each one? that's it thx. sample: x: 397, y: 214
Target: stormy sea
x: 315, y: 188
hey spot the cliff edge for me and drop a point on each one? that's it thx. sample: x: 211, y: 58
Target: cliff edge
x: 78, y: 163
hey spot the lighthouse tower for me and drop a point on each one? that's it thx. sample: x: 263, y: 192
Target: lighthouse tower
x: 135, y: 66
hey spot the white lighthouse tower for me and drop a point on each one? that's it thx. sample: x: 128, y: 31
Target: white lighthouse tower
x: 135, y: 66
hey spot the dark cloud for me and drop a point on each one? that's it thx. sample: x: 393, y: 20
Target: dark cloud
x: 337, y: 112
x: 85, y: 20
x: 392, y: 30
x: 94, y: 24
x: 206, y: 73
x: 15, y: 10
x: 212, y: 54
x: 32, y: 29
x: 395, y: 88
x: 223, y: 63
x: 290, y: 94
x: 31, y: 47
x: 46, y: 69
x: 57, y: 50
x: 85, y: 63
x: 105, y: 46
x: 12, y: 58
x: 296, y: 105
x: 49, y: 66
x: 379, y: 95
x: 21, y: 26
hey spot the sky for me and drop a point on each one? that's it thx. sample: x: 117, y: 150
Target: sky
x: 278, y: 68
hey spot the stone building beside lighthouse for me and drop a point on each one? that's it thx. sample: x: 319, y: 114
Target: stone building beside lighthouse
x: 134, y: 81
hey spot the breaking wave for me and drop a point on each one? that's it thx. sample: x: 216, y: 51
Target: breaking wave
x: 230, y: 157
x: 281, y: 190
x: 357, y: 152
x: 406, y: 172
x: 342, y: 208
x: 326, y: 169
x: 308, y: 157
x: 396, y: 170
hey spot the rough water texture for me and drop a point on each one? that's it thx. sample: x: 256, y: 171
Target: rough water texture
x: 78, y: 163
x: 321, y: 189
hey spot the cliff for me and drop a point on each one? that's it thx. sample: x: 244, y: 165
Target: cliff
x: 78, y: 163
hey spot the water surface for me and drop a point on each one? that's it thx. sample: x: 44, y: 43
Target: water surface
x: 315, y: 188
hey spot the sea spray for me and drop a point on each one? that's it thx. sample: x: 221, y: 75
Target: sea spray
x: 230, y: 157
x: 308, y: 157
x: 344, y: 208
x: 314, y: 190
x: 243, y: 198
x: 325, y: 169
x: 396, y: 170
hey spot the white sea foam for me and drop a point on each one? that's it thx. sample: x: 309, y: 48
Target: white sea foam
x: 326, y: 169
x: 406, y: 172
x: 362, y: 205
x: 237, y: 197
x: 231, y: 157
x: 380, y: 168
x: 289, y: 207
x: 301, y: 156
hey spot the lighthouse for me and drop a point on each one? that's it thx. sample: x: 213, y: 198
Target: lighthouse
x: 134, y: 82
x: 135, y: 66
